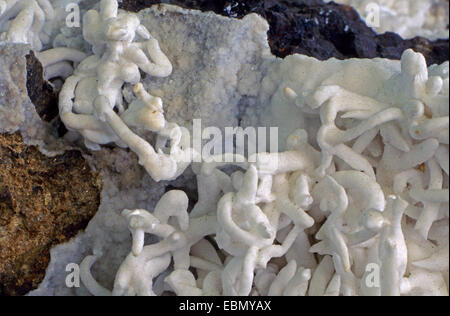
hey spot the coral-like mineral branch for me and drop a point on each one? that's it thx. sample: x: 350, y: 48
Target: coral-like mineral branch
x: 367, y: 206
x: 88, y: 99
x: 22, y: 21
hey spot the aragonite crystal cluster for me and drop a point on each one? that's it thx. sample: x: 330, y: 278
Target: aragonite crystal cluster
x: 354, y: 203
x: 374, y: 193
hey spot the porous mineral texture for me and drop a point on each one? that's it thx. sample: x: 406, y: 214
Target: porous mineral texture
x: 314, y: 28
x: 17, y: 111
x: 13, y: 92
x: 43, y: 202
x: 215, y: 62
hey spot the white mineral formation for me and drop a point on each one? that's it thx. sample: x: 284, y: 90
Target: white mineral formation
x: 88, y: 98
x: 354, y: 203
x: 364, y: 195
x: 32, y: 22
x: 408, y: 18
x: 21, y: 21
x: 17, y: 112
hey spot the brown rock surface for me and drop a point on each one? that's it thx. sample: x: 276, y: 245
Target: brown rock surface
x: 43, y: 202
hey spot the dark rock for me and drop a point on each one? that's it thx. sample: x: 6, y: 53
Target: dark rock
x: 314, y: 28
x: 41, y: 93
x: 43, y: 202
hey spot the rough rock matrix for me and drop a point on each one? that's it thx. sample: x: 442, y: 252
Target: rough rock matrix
x: 21, y: 98
x: 43, y: 202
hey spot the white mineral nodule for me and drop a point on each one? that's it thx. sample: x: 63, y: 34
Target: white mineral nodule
x: 362, y: 167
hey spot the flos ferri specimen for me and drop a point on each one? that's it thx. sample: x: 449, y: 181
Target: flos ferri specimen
x: 354, y: 203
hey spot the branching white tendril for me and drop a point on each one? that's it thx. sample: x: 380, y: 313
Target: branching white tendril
x: 372, y: 196
x: 89, y: 98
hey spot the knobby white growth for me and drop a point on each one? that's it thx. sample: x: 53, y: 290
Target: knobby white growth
x: 58, y: 62
x: 375, y: 198
x: 21, y: 21
x: 91, y: 101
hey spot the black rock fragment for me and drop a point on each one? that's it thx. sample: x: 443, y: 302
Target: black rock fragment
x: 41, y: 93
x: 314, y: 28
